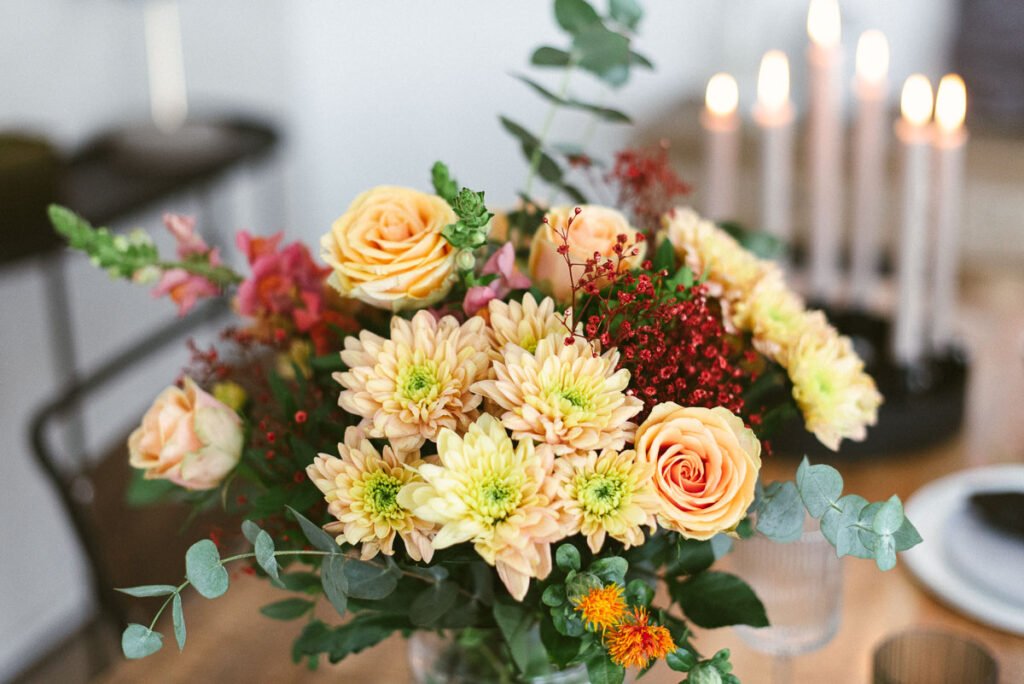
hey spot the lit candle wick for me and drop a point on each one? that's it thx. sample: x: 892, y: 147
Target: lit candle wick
x: 916, y: 100
x: 950, y: 103
x: 872, y: 56
x: 722, y: 95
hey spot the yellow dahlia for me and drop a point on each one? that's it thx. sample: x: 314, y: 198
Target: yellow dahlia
x: 361, y: 488
x: 610, y: 494
x: 409, y: 387
x: 524, y: 324
x: 635, y: 642
x: 837, y: 398
x: 493, y: 494
x: 562, y: 395
x: 601, y: 608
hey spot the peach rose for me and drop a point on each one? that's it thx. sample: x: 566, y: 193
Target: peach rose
x: 594, y: 229
x: 707, y: 464
x: 187, y: 437
x: 387, y: 249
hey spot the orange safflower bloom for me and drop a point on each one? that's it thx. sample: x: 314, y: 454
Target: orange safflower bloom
x: 635, y: 642
x: 602, y: 608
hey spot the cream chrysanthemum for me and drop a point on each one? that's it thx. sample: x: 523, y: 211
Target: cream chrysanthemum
x: 731, y: 270
x: 409, y: 387
x: 837, y: 398
x: 562, y: 395
x: 361, y: 488
x: 607, y: 495
x: 776, y: 317
x: 493, y: 494
x: 524, y: 324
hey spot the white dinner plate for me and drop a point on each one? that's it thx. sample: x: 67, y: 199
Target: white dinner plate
x: 976, y: 570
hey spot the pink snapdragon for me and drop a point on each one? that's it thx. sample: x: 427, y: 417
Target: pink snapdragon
x: 183, y: 287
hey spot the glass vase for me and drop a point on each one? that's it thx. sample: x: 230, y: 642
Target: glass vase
x: 480, y: 657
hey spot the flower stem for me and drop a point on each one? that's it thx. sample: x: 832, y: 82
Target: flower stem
x: 563, y: 88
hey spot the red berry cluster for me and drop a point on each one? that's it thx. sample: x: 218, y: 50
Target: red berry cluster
x: 647, y: 183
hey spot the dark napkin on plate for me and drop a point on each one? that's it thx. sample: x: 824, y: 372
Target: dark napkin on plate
x: 1002, y: 510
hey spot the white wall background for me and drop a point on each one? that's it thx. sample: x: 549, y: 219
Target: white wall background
x: 367, y: 93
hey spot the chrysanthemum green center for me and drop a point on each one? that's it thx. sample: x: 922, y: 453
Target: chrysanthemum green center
x: 601, y: 494
x: 418, y: 381
x: 577, y: 398
x: 380, y: 492
x: 496, y: 499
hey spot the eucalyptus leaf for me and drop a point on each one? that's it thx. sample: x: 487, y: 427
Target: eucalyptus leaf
x: 314, y: 534
x: 603, y: 53
x: 604, y: 113
x: 626, y: 12
x: 889, y: 517
x: 204, y: 570
x: 907, y: 536
x: 780, y: 515
x: 514, y: 621
x: 575, y: 15
x: 840, y: 526
x: 288, y: 609
x: 550, y: 57
x: 432, y: 603
x: 560, y: 648
x: 139, y: 641
x: 718, y: 599
x: 178, y: 618
x: 149, y: 590
x: 371, y: 581
x: 264, y: 547
x: 335, y: 582
x: 639, y: 60
x: 251, y: 530
x: 664, y: 257
x: 885, y: 552
x: 820, y: 486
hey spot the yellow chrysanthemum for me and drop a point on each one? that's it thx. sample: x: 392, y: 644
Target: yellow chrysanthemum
x: 837, y: 398
x: 776, y: 317
x: 611, y: 494
x: 408, y: 388
x: 524, y: 324
x: 361, y: 488
x: 562, y: 395
x: 601, y: 608
x: 635, y: 642
x: 493, y: 494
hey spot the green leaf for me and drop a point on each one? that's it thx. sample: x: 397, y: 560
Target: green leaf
x: 626, y: 12
x: 371, y: 581
x: 567, y: 557
x: 681, y: 660
x: 907, y: 536
x: 840, y: 527
x: 889, y: 517
x: 601, y: 670
x: 561, y: 648
x: 430, y: 606
x: 549, y: 57
x: 444, y: 184
x: 363, y: 632
x: 639, y: 60
x: 288, y: 609
x: 718, y: 599
x: 204, y: 570
x: 603, y: 53
x: 178, y: 618
x: 314, y: 534
x: 639, y: 593
x: 603, y: 113
x: 139, y: 641
x: 691, y: 557
x: 820, y: 486
x: 885, y: 552
x: 334, y: 582
x: 568, y: 622
x: 514, y: 622
x: 251, y: 530
x: 264, y: 548
x: 575, y: 15
x: 553, y: 596
x: 664, y: 257
x: 610, y: 569
x: 142, y: 492
x: 780, y: 516
x: 578, y: 585
x: 306, y: 582
x: 149, y: 590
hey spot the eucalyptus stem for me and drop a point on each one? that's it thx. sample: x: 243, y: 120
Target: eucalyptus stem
x: 167, y: 600
x: 563, y: 88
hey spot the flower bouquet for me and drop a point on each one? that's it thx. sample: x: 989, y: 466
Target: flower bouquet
x: 532, y: 433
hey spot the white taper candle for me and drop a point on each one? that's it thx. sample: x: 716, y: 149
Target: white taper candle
x: 721, y: 133
x: 773, y: 114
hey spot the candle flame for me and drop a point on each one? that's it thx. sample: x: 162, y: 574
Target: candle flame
x: 823, y: 25
x: 722, y: 95
x: 916, y: 100
x: 872, y: 56
x: 773, y: 80
x: 950, y: 103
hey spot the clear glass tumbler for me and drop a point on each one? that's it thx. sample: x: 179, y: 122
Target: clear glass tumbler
x: 932, y: 657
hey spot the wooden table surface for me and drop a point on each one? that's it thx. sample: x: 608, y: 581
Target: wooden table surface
x: 230, y: 641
